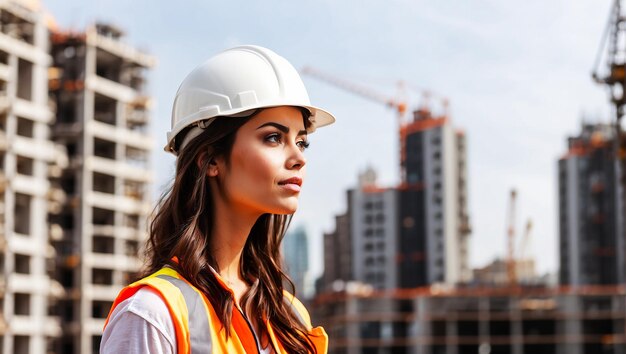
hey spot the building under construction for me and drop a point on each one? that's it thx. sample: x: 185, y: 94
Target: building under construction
x: 479, y: 320
x: 410, y: 235
x: 433, y: 217
x: 592, y: 242
x: 98, y: 83
x: 30, y: 165
x: 74, y: 178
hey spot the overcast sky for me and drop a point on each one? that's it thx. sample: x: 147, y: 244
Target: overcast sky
x: 517, y: 75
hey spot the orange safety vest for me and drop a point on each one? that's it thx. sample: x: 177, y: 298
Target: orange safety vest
x: 199, y: 330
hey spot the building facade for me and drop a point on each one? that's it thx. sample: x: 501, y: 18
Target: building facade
x: 416, y: 233
x: 98, y: 83
x: 29, y: 165
x: 337, y: 252
x: 591, y: 225
x: 363, y: 246
x: 373, y: 224
x: 434, y: 222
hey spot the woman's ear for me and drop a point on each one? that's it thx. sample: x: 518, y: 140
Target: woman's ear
x: 212, y: 171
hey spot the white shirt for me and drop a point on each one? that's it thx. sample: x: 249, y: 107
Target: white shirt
x: 142, y: 324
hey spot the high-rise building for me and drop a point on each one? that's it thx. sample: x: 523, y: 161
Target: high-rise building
x: 98, y: 83
x: 337, y: 252
x: 374, y: 234
x: 29, y: 162
x: 414, y: 234
x: 296, y: 254
x: 434, y: 222
x: 363, y: 246
x: 74, y: 178
x: 591, y: 225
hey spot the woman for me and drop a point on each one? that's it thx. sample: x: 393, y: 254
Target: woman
x: 213, y: 282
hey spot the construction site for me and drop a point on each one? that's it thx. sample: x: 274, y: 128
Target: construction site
x: 390, y: 286
x: 396, y: 276
x: 439, y: 320
x: 74, y: 206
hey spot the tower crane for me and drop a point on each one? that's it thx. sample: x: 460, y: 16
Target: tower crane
x: 613, y: 48
x: 523, y: 250
x: 522, y: 257
x: 515, y: 256
x: 510, y: 260
x: 399, y: 105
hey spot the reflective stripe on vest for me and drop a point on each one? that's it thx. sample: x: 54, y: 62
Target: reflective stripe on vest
x: 294, y: 309
x: 199, y: 330
x: 196, y: 324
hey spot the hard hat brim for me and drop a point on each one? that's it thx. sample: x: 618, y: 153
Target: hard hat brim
x: 319, y: 118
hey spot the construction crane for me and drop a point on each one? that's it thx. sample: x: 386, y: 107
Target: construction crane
x: 510, y: 259
x: 516, y: 256
x: 525, y: 241
x: 522, y: 260
x: 399, y: 105
x: 613, y: 75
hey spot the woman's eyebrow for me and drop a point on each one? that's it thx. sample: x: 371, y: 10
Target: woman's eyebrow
x: 281, y: 127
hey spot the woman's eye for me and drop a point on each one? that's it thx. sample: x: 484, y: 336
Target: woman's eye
x: 303, y: 144
x: 274, y: 138
x: 277, y: 138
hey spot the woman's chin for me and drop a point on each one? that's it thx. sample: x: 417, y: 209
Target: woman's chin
x: 286, y: 209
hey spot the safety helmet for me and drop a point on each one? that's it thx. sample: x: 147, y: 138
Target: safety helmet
x: 235, y: 82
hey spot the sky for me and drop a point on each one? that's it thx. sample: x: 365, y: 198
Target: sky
x: 516, y: 74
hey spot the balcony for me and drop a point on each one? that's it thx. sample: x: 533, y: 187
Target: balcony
x: 119, y: 168
x: 135, y: 117
x: 109, y: 88
x: 137, y: 111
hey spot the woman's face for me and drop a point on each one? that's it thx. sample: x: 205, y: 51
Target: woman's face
x: 268, y: 150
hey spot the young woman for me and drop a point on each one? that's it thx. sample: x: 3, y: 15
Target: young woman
x: 213, y: 281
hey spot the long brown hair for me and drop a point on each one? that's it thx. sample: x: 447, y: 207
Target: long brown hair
x: 181, y: 227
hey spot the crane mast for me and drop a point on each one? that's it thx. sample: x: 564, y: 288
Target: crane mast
x: 510, y: 261
x: 613, y: 75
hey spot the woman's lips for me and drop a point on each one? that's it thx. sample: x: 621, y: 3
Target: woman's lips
x: 291, y: 187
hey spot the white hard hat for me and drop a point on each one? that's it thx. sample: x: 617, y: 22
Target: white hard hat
x: 235, y: 81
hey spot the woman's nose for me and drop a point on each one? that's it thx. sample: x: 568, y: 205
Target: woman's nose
x: 296, y: 157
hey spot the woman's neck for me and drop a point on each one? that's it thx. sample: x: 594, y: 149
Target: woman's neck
x: 229, y: 235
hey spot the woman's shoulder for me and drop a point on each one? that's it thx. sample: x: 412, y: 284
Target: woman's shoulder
x: 147, y: 304
x: 141, y: 318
